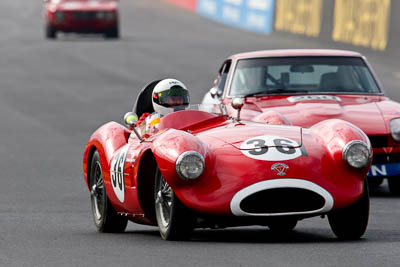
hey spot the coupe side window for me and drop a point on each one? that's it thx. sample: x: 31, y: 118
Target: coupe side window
x: 222, y: 76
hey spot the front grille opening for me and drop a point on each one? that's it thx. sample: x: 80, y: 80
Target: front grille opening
x: 84, y: 15
x: 378, y: 141
x: 282, y: 200
x: 386, y: 158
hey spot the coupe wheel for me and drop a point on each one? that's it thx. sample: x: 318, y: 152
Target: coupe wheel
x: 113, y: 33
x: 51, y: 32
x: 375, y: 182
x: 351, y: 222
x: 105, y: 217
x: 174, y: 220
x: 394, y: 185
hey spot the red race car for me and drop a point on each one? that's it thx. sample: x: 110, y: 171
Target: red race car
x: 200, y: 168
x: 309, y: 86
x: 81, y: 16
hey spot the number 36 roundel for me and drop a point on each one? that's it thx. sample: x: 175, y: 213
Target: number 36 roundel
x: 117, y: 173
x: 272, y: 148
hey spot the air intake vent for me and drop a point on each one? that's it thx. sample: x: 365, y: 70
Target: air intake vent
x: 282, y: 200
x: 378, y: 141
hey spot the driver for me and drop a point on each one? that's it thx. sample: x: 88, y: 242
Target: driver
x: 169, y: 95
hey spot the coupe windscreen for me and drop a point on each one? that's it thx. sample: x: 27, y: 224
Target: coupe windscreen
x: 300, y: 75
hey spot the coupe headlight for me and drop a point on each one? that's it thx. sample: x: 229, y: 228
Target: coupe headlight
x: 190, y: 165
x: 395, y: 129
x: 357, y: 154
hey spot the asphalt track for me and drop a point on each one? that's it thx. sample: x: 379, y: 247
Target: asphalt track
x: 54, y: 94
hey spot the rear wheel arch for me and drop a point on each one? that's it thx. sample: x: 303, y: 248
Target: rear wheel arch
x: 92, y: 150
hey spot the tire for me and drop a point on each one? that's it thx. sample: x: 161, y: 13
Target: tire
x: 394, y: 185
x: 113, y: 33
x: 174, y: 220
x: 374, y: 182
x: 282, y: 226
x: 105, y: 217
x: 351, y: 222
x: 51, y: 32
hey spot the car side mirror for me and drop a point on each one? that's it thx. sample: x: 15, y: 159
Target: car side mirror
x: 215, y: 93
x: 130, y: 119
x: 237, y: 103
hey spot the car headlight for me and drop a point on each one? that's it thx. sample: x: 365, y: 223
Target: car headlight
x: 190, y: 165
x: 59, y: 16
x: 395, y: 129
x: 357, y: 154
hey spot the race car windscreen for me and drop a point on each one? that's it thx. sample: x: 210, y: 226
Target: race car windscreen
x: 300, y: 75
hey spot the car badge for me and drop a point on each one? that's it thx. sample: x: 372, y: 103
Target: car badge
x: 388, y: 150
x: 280, y: 168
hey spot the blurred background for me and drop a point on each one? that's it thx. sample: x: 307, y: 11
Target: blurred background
x: 55, y: 93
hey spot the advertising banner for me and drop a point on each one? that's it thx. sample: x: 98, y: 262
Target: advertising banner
x: 188, y: 4
x: 299, y: 17
x: 362, y: 23
x: 254, y: 15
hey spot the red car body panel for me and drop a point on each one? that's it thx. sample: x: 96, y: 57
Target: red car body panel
x: 80, y: 15
x: 317, y: 162
x: 372, y: 113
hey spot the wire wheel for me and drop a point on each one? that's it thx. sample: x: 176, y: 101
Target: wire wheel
x: 164, y: 202
x: 105, y: 216
x: 97, y: 193
x: 174, y: 220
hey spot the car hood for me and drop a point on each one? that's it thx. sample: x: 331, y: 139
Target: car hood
x: 236, y: 134
x: 80, y: 5
x: 305, y: 111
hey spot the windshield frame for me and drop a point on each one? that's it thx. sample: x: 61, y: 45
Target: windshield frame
x: 373, y: 75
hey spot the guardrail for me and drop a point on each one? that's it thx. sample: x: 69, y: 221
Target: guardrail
x: 362, y: 23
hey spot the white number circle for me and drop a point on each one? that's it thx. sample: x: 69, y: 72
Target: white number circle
x: 271, y: 148
x: 117, y: 173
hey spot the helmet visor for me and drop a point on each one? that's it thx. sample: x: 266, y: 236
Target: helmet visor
x: 175, y: 96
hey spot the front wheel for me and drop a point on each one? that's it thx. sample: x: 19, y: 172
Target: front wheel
x: 174, y: 220
x: 394, y: 185
x: 351, y: 222
x: 112, y: 33
x: 105, y: 217
x: 374, y: 182
x: 51, y: 32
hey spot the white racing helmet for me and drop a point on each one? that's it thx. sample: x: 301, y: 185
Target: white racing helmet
x: 170, y: 95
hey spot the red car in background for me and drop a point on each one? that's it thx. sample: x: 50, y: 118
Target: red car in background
x: 309, y: 86
x: 81, y: 16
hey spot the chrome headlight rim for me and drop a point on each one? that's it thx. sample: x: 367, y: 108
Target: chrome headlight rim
x: 351, y: 144
x: 395, y: 132
x: 180, y: 160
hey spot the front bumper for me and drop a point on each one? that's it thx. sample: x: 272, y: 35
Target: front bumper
x: 386, y: 159
x: 385, y: 165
